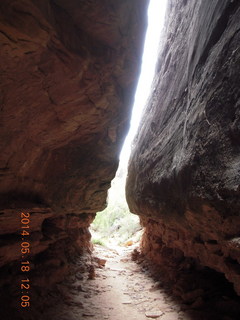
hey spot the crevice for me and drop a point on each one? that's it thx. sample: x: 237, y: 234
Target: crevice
x: 8, y: 36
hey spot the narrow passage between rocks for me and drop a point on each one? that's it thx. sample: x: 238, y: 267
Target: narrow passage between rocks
x: 115, y: 287
x: 119, y: 290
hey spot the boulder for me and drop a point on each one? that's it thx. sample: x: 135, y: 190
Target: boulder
x: 184, y: 176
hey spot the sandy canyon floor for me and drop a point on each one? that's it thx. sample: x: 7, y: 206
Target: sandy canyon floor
x: 118, y: 288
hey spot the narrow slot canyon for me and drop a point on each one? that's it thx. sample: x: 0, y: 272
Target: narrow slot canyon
x: 69, y: 73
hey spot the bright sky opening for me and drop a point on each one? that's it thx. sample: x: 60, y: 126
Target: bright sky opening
x: 117, y: 209
x: 156, y: 15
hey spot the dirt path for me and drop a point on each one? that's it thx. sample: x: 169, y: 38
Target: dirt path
x: 120, y: 290
x: 125, y: 292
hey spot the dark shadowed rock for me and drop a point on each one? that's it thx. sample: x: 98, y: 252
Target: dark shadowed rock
x: 184, y: 172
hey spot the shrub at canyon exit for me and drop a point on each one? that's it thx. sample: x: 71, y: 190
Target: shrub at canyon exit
x: 115, y: 223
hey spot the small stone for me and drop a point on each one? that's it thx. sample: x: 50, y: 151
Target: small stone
x: 79, y: 276
x: 170, y: 316
x: 153, y: 314
x: 100, y: 262
x: 153, y: 289
x: 176, y: 308
x: 91, y: 274
x: 79, y: 288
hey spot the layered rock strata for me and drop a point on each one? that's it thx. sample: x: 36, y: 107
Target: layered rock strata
x: 68, y: 75
x: 184, y: 176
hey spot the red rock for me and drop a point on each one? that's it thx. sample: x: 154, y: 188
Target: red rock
x: 68, y: 75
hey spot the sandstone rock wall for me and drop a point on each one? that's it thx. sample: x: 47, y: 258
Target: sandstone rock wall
x: 68, y: 75
x: 184, y: 171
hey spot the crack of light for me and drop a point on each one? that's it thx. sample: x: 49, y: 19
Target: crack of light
x: 156, y: 16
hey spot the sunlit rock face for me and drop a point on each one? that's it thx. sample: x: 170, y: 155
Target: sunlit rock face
x: 184, y: 172
x: 68, y: 75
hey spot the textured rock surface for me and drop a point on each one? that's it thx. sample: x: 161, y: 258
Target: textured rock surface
x: 184, y: 172
x: 68, y: 75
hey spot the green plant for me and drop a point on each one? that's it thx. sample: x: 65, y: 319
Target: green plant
x: 116, y: 222
x: 98, y: 241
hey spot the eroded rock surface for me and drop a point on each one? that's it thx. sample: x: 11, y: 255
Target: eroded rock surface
x: 184, y: 172
x: 68, y: 75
